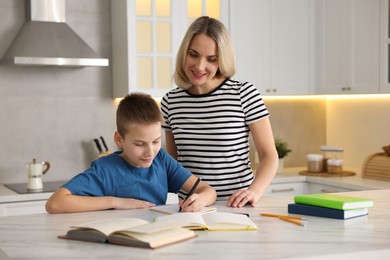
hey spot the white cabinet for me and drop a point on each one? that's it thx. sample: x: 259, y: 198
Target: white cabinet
x: 145, y: 38
x: 313, y: 188
x: 304, y: 187
x: 22, y: 208
x: 347, y: 49
x: 286, y: 189
x: 274, y: 44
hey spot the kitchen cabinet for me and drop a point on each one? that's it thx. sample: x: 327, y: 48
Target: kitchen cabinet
x: 284, y: 189
x: 313, y: 188
x: 146, y: 36
x: 274, y: 44
x: 22, y: 208
x: 307, y: 186
x: 347, y: 49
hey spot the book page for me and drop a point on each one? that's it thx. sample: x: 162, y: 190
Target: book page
x: 210, y: 221
x: 153, y: 227
x: 153, y: 240
x: 155, y: 237
x: 228, y: 221
x: 185, y: 219
x: 107, y: 226
x: 174, y: 208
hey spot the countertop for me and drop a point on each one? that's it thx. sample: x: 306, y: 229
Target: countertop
x: 355, y: 182
x: 35, y: 236
x: 289, y: 175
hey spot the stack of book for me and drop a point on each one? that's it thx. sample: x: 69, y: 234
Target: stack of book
x: 330, y: 206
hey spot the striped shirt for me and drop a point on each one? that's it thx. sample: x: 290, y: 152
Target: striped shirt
x: 211, y: 132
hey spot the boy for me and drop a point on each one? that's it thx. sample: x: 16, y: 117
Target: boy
x: 139, y: 175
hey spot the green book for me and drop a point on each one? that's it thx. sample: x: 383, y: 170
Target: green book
x: 334, y: 201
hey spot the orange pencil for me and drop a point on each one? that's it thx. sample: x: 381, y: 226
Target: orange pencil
x: 278, y: 216
x: 292, y: 221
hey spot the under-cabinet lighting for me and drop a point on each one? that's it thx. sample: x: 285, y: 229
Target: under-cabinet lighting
x: 305, y: 97
x: 329, y: 97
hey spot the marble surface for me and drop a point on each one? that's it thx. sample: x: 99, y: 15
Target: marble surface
x: 35, y: 236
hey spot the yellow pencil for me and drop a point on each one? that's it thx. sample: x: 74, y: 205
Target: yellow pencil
x: 292, y: 221
x: 278, y: 216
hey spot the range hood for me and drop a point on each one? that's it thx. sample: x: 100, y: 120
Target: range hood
x: 46, y: 40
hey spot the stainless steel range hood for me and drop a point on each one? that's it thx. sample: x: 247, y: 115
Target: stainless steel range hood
x: 46, y: 40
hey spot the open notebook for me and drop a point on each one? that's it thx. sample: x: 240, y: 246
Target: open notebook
x: 174, y: 208
x: 214, y: 221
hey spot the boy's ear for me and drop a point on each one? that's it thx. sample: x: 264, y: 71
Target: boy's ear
x: 118, y: 139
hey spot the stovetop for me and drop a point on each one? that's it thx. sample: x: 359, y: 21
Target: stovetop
x: 21, y: 188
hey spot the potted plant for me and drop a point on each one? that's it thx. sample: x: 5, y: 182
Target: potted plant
x: 282, y: 149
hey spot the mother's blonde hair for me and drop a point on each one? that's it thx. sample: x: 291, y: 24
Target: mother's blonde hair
x: 218, y: 32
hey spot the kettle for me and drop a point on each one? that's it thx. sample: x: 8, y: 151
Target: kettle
x: 35, y: 170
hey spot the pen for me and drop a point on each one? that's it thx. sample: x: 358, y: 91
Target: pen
x: 278, y: 216
x: 191, y: 191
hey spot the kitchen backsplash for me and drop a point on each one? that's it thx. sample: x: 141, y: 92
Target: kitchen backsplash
x: 53, y: 114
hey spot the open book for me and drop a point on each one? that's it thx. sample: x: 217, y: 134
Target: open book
x: 174, y: 208
x: 214, y: 221
x: 129, y: 232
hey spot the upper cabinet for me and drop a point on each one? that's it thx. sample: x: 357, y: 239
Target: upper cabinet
x: 284, y: 47
x: 146, y: 35
x: 348, y: 46
x: 274, y: 44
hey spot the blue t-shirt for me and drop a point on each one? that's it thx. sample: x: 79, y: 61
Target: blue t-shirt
x: 113, y: 176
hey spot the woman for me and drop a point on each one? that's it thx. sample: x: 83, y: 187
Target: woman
x: 209, y: 117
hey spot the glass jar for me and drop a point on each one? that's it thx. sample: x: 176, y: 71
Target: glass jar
x: 335, y: 165
x: 314, y: 162
x: 331, y: 152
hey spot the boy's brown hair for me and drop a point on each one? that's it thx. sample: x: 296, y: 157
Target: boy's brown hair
x: 136, y: 108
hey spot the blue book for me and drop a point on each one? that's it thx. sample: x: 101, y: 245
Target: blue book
x: 303, y: 209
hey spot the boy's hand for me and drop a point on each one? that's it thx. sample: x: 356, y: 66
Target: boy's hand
x: 125, y: 203
x: 191, y: 204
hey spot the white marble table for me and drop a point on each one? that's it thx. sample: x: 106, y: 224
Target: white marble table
x: 35, y: 236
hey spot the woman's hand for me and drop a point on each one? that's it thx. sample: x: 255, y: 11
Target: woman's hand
x: 242, y: 197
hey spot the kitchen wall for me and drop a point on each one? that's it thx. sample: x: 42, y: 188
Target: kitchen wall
x: 360, y: 124
x: 301, y: 122
x: 51, y: 113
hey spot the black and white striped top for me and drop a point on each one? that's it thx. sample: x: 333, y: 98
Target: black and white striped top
x: 211, y: 132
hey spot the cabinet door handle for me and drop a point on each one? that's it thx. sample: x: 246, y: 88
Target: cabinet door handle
x: 282, y: 190
x: 328, y: 191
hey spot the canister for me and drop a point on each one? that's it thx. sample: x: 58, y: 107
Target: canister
x: 314, y: 162
x: 331, y: 152
x: 335, y: 165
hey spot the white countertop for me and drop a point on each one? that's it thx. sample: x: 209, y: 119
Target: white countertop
x: 355, y: 182
x: 8, y: 195
x: 289, y: 175
x: 35, y: 236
